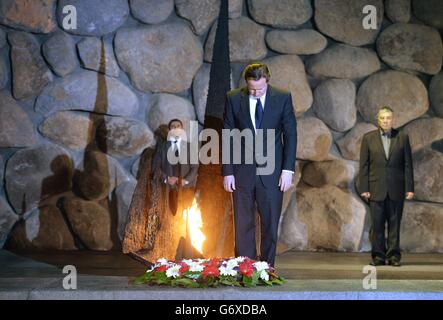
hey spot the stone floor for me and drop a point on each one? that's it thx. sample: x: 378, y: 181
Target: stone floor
x: 108, y: 275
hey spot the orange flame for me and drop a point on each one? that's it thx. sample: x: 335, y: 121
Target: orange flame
x: 195, y: 224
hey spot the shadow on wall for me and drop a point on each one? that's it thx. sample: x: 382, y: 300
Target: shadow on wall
x: 80, y: 221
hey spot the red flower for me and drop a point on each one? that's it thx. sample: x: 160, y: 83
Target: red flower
x: 211, y: 271
x: 162, y: 268
x: 246, y: 269
x: 214, y: 262
x: 184, y: 267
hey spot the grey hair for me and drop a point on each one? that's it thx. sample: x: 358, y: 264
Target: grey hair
x: 384, y: 109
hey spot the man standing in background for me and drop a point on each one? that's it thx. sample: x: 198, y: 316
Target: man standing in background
x: 385, y: 180
x: 179, y: 176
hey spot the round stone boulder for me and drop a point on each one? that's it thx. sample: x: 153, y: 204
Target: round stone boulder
x: 94, y: 18
x: 306, y: 41
x: 98, y: 175
x: 90, y: 222
x: 35, y: 174
x: 293, y: 233
x: 2, y: 171
x: 429, y: 11
x: 30, y: 74
x: 235, y: 8
x: 159, y: 58
x: 166, y: 107
x: 342, y: 20
x: 44, y: 229
x: 2, y: 38
x: 98, y: 55
x: 280, y: 14
x: 74, y: 130
x: 423, y: 132
x: 123, y: 137
x: 401, y: 46
x: 334, y: 218
x: 340, y: 173
x: 398, y: 10
x: 314, y: 139
x: 344, y: 62
x: 151, y: 11
x: 85, y: 90
x: 334, y: 103
x: 288, y: 72
x: 124, y: 194
x: 246, y: 41
x: 349, y: 145
x: 421, y: 227
x: 7, y: 219
x: 296, y: 177
x: 37, y: 16
x: 201, y: 13
x: 428, y: 175
x: 4, y: 72
x: 403, y: 92
x: 59, y: 52
x: 436, y: 94
x: 16, y: 129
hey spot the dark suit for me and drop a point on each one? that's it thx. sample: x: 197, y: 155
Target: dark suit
x: 251, y: 188
x: 183, y: 170
x: 387, y: 179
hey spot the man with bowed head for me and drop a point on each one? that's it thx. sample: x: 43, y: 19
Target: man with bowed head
x: 257, y: 106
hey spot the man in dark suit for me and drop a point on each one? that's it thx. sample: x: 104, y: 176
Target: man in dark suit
x: 385, y: 180
x: 259, y: 106
x: 177, y: 171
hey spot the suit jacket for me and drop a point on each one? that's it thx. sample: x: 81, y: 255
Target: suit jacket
x: 279, y: 115
x: 186, y: 170
x: 383, y: 176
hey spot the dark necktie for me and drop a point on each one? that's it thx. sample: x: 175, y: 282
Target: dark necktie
x: 175, y: 167
x: 175, y: 146
x: 258, y: 114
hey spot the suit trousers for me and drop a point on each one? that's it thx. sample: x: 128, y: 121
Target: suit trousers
x: 382, y: 212
x: 269, y: 203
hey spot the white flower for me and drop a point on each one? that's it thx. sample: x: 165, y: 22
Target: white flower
x: 261, y: 265
x: 196, y: 267
x: 173, y: 272
x: 232, y: 263
x: 226, y: 271
x: 188, y: 261
x: 264, y: 275
x: 240, y: 259
x: 162, y: 261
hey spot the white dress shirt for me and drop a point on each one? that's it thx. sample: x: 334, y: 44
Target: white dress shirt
x: 177, y: 147
x: 177, y: 144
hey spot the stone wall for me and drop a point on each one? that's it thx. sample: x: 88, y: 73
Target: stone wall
x: 77, y: 108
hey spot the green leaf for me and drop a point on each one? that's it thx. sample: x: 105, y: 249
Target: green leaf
x: 255, y: 277
x: 247, y: 281
x: 188, y: 283
x: 140, y: 280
